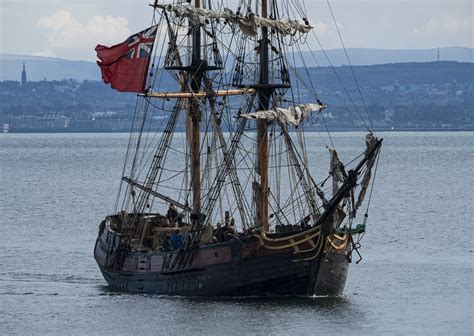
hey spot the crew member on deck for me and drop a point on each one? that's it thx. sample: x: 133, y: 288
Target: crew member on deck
x: 305, y: 222
x: 172, y: 214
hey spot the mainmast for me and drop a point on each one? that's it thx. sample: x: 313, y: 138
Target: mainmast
x: 195, y: 115
x: 264, y: 93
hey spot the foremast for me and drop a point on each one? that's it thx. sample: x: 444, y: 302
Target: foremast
x: 264, y: 95
x: 197, y: 65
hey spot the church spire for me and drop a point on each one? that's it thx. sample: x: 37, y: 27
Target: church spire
x: 23, y: 76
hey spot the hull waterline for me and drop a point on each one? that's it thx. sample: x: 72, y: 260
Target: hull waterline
x: 220, y: 270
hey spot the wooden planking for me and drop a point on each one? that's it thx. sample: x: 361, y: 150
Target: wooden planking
x: 207, y: 257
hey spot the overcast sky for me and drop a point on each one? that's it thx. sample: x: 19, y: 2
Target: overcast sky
x: 71, y: 29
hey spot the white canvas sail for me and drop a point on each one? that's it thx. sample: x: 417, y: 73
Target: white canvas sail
x: 293, y: 115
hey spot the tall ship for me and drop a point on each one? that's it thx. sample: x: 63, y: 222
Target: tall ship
x: 219, y: 194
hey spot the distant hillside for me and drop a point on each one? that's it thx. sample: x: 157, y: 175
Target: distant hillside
x: 56, y: 69
x: 430, y: 95
x: 38, y: 68
x: 376, y: 76
x: 361, y: 56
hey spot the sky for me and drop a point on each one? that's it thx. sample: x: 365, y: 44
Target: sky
x: 71, y: 29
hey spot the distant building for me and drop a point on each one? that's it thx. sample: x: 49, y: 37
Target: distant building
x: 23, y: 76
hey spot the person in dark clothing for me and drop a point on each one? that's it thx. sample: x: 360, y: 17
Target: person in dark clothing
x: 305, y: 223
x: 166, y: 246
x: 219, y: 233
x: 172, y: 214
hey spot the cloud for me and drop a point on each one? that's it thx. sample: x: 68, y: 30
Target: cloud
x: 446, y: 23
x: 65, y: 31
x: 45, y: 53
x: 320, y: 27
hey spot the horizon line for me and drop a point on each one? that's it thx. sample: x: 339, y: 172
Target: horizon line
x: 315, y: 50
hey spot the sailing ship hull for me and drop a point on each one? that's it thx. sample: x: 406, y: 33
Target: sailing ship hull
x: 222, y: 270
x: 293, y: 239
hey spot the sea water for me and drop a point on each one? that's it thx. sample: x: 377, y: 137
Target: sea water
x: 416, y: 276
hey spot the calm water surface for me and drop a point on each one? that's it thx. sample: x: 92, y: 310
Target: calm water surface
x: 416, y: 276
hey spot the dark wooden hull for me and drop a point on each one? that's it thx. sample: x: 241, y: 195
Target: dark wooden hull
x: 225, y: 270
x: 253, y: 277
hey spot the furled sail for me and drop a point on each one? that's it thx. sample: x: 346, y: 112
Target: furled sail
x: 293, y: 115
x: 371, y: 142
x: 248, y: 24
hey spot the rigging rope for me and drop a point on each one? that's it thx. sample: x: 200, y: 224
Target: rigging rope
x: 339, y: 79
x: 350, y: 65
x: 373, y: 183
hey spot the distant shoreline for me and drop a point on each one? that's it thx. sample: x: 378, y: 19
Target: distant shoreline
x: 338, y: 130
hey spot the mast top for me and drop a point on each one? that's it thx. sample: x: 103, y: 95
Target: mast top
x: 248, y: 24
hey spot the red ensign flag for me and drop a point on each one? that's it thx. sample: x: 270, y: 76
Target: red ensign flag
x: 125, y: 65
